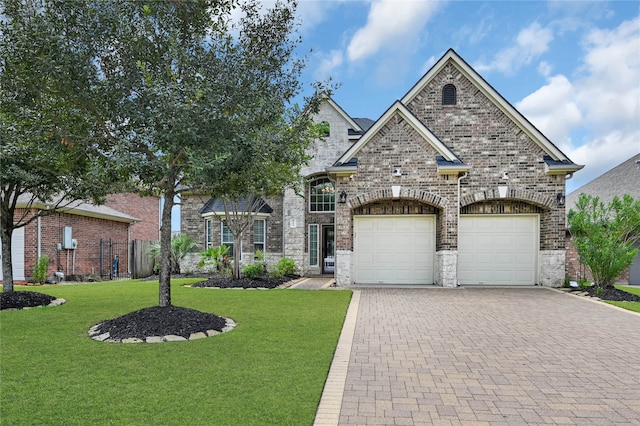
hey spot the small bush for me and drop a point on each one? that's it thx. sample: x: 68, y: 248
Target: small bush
x: 253, y: 270
x: 285, y: 266
x: 40, y: 270
x: 583, y: 283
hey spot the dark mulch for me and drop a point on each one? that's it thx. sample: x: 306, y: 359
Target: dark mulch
x: 612, y: 294
x: 161, y: 321
x: 260, y: 282
x: 24, y: 299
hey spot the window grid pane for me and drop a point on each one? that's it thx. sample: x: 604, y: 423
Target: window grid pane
x: 209, y: 232
x: 227, y: 238
x: 321, y: 196
x: 259, y: 235
x: 313, y: 245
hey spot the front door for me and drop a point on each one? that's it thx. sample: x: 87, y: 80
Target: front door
x: 328, y: 251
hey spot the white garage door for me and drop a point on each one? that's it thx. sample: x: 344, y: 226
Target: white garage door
x: 498, y: 250
x: 17, y: 254
x: 394, y: 249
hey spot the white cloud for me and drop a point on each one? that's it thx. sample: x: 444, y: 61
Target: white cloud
x: 552, y: 110
x: 312, y: 13
x: 603, y: 103
x: 610, y: 92
x: 390, y: 23
x: 328, y: 63
x: 530, y: 43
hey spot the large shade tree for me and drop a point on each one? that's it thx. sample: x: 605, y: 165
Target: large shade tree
x: 202, y: 101
x: 54, y: 147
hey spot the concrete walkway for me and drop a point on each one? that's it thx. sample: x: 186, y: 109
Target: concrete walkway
x: 314, y: 283
x: 483, y: 356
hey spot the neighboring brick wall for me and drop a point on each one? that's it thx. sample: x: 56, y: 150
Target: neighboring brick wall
x: 145, y: 209
x: 88, y: 231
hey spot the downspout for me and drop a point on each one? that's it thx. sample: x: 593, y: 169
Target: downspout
x: 39, y: 237
x: 458, y: 227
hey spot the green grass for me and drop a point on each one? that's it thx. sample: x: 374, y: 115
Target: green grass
x: 269, y: 370
x: 632, y: 306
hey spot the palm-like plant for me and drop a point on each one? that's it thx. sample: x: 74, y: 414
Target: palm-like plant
x: 181, y: 245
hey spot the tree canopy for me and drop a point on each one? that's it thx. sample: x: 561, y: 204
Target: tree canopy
x: 54, y: 146
x: 193, y: 99
x: 604, y: 235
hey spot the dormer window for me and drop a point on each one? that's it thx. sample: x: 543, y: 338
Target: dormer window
x: 449, y: 95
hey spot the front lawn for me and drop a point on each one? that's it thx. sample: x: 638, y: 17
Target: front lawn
x: 269, y: 370
x: 632, y: 306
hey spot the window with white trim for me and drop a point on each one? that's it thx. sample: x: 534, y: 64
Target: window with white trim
x: 208, y: 233
x: 226, y: 237
x: 313, y: 245
x: 322, y: 197
x: 259, y: 235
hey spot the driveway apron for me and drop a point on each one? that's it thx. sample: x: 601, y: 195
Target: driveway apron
x: 490, y: 356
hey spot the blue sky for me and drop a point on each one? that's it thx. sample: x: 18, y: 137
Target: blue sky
x: 571, y: 67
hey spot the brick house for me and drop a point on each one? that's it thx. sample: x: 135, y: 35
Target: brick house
x: 381, y: 201
x: 620, y: 180
x: 82, y: 238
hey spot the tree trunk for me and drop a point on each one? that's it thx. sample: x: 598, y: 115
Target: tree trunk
x: 237, y: 242
x: 165, y: 250
x: 7, y: 266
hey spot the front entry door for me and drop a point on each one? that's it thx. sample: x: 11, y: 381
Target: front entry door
x: 328, y: 251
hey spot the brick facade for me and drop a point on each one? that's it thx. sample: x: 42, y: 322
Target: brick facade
x: 145, y: 209
x: 86, y: 258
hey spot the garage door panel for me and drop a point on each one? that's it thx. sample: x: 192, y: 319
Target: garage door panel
x: 498, y: 250
x: 394, y: 249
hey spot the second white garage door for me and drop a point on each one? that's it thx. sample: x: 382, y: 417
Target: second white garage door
x: 394, y: 249
x: 498, y: 250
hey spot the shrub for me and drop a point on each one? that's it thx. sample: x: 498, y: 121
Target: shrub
x: 253, y: 270
x: 215, y: 257
x: 285, y: 266
x: 40, y: 270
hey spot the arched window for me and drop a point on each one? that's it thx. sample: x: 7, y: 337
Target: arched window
x: 449, y: 95
x: 322, y: 197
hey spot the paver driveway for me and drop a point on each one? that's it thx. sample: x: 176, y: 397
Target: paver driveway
x: 491, y: 356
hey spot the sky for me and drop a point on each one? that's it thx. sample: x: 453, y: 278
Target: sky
x: 572, y: 68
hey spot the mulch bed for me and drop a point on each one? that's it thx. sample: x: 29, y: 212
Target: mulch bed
x: 161, y: 321
x: 260, y: 282
x: 612, y: 294
x: 24, y: 299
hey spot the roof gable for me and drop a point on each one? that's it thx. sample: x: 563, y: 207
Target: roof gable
x: 620, y: 180
x: 451, y: 57
x: 398, y: 108
x: 354, y: 125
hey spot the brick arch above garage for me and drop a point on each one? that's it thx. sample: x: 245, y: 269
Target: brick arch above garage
x: 406, y: 194
x: 512, y: 196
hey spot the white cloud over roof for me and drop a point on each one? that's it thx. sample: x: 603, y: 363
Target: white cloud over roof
x: 389, y: 22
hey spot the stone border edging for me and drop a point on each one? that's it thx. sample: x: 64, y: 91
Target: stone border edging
x: 56, y: 302
x: 104, y: 337
x: 328, y: 412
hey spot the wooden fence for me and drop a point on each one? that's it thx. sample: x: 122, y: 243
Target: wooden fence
x: 141, y: 261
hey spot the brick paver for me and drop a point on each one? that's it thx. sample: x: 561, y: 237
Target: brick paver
x: 490, y: 356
